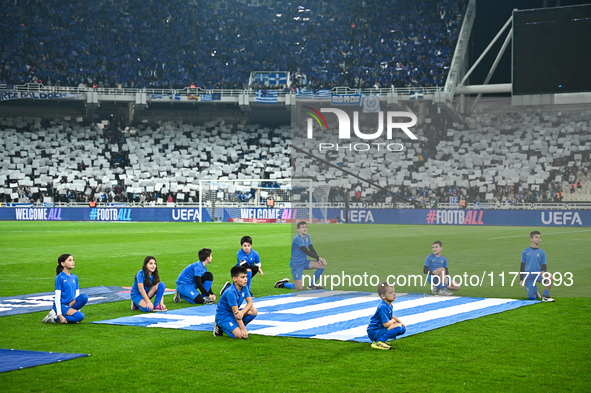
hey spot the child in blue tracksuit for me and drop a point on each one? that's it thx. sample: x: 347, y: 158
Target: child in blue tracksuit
x: 147, y: 285
x: 229, y: 317
x: 194, y: 283
x: 68, y: 299
x: 248, y: 258
x: 384, y: 326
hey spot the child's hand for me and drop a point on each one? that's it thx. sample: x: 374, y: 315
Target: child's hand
x: 521, y: 283
x: 212, y: 297
x: 261, y: 271
x: 394, y: 324
x: 62, y: 319
x: 238, y: 315
x: 150, y: 306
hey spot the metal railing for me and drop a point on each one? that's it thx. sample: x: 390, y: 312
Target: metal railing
x: 224, y: 93
x: 332, y: 205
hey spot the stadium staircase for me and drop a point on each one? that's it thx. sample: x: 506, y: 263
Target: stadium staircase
x: 581, y: 194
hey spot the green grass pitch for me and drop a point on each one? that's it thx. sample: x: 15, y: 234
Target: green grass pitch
x: 545, y: 347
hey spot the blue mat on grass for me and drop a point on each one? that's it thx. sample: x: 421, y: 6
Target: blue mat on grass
x: 332, y: 315
x: 11, y: 359
x: 23, y: 304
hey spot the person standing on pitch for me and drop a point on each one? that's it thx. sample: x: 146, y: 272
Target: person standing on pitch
x: 301, y: 249
x: 533, y: 269
x: 68, y: 299
x: 384, y: 326
x: 194, y: 282
x: 146, y: 285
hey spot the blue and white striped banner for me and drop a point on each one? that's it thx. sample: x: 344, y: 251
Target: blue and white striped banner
x: 308, y: 94
x: 332, y: 315
x: 23, y: 304
x: 266, y: 96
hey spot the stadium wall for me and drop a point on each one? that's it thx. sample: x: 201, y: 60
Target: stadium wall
x: 139, y: 214
x: 535, y: 218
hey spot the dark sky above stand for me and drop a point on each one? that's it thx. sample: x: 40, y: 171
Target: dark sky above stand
x: 491, y: 15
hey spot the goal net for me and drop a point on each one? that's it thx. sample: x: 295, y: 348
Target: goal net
x: 259, y: 200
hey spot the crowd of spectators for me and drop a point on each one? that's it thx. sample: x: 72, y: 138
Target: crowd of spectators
x: 216, y: 44
x: 107, y: 162
x: 62, y: 161
x: 492, y: 160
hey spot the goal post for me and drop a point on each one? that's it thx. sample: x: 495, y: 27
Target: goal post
x: 291, y: 199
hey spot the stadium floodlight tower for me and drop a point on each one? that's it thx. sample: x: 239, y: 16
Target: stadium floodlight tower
x: 548, y: 58
x: 454, y: 85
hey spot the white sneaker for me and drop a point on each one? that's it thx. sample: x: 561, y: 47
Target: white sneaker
x: 435, y: 291
x: 538, y: 296
x: 445, y: 292
x: 548, y: 299
x: 207, y: 300
x: 51, y: 317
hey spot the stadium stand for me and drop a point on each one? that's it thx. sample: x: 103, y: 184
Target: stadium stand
x: 216, y: 44
x: 522, y: 156
x: 499, y: 159
x: 495, y: 159
x: 62, y: 161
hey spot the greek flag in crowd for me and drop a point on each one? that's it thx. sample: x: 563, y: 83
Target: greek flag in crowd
x: 309, y: 94
x: 332, y: 315
x: 416, y: 95
x: 266, y: 96
x: 277, y: 79
x: 270, y: 79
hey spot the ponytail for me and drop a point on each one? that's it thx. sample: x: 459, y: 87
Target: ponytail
x: 62, y: 258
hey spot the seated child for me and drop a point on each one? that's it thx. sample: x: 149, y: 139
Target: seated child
x: 68, y: 299
x: 437, y: 273
x: 194, y: 282
x: 248, y: 258
x: 384, y: 326
x: 228, y: 318
x: 147, y: 285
